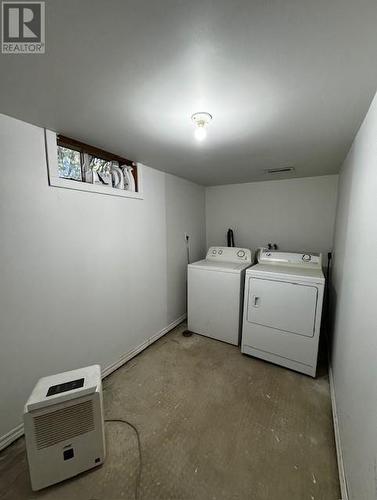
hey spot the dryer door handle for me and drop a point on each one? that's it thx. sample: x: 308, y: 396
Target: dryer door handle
x: 256, y: 301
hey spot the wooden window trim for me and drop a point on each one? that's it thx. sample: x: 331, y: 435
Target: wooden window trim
x: 68, y: 142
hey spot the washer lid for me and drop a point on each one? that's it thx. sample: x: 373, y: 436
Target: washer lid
x: 224, y: 267
x: 287, y: 273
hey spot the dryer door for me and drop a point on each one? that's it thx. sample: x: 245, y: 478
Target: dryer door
x: 285, y: 306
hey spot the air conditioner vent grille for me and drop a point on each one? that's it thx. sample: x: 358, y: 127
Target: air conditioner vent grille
x: 66, y: 423
x: 282, y: 170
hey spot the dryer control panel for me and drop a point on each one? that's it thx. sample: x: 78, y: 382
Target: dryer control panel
x: 230, y: 254
x: 309, y: 260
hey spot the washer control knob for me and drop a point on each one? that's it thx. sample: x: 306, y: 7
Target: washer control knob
x: 214, y: 252
x: 220, y: 252
x: 306, y: 257
x: 240, y: 254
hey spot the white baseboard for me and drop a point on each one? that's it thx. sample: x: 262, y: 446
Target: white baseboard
x: 342, y: 476
x: 130, y: 354
x: 11, y: 436
x: 18, y: 431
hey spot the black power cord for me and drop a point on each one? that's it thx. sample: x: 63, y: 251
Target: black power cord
x: 138, y: 479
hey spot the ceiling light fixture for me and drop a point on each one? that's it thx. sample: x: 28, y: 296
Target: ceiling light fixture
x: 201, y: 120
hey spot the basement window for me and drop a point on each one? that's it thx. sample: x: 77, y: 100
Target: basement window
x: 75, y: 165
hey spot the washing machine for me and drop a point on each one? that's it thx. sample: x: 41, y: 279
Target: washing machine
x: 215, y: 293
x: 283, y: 309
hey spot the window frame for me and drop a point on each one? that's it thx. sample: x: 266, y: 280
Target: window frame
x: 53, y: 140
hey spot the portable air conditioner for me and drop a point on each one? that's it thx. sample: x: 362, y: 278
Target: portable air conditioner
x: 64, y: 429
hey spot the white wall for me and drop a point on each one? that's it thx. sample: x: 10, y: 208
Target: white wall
x: 85, y: 277
x: 185, y: 207
x: 354, y: 353
x: 297, y: 214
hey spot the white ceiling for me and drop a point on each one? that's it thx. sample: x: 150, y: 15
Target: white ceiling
x: 288, y: 82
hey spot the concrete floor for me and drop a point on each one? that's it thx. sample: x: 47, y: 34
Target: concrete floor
x: 214, y: 424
